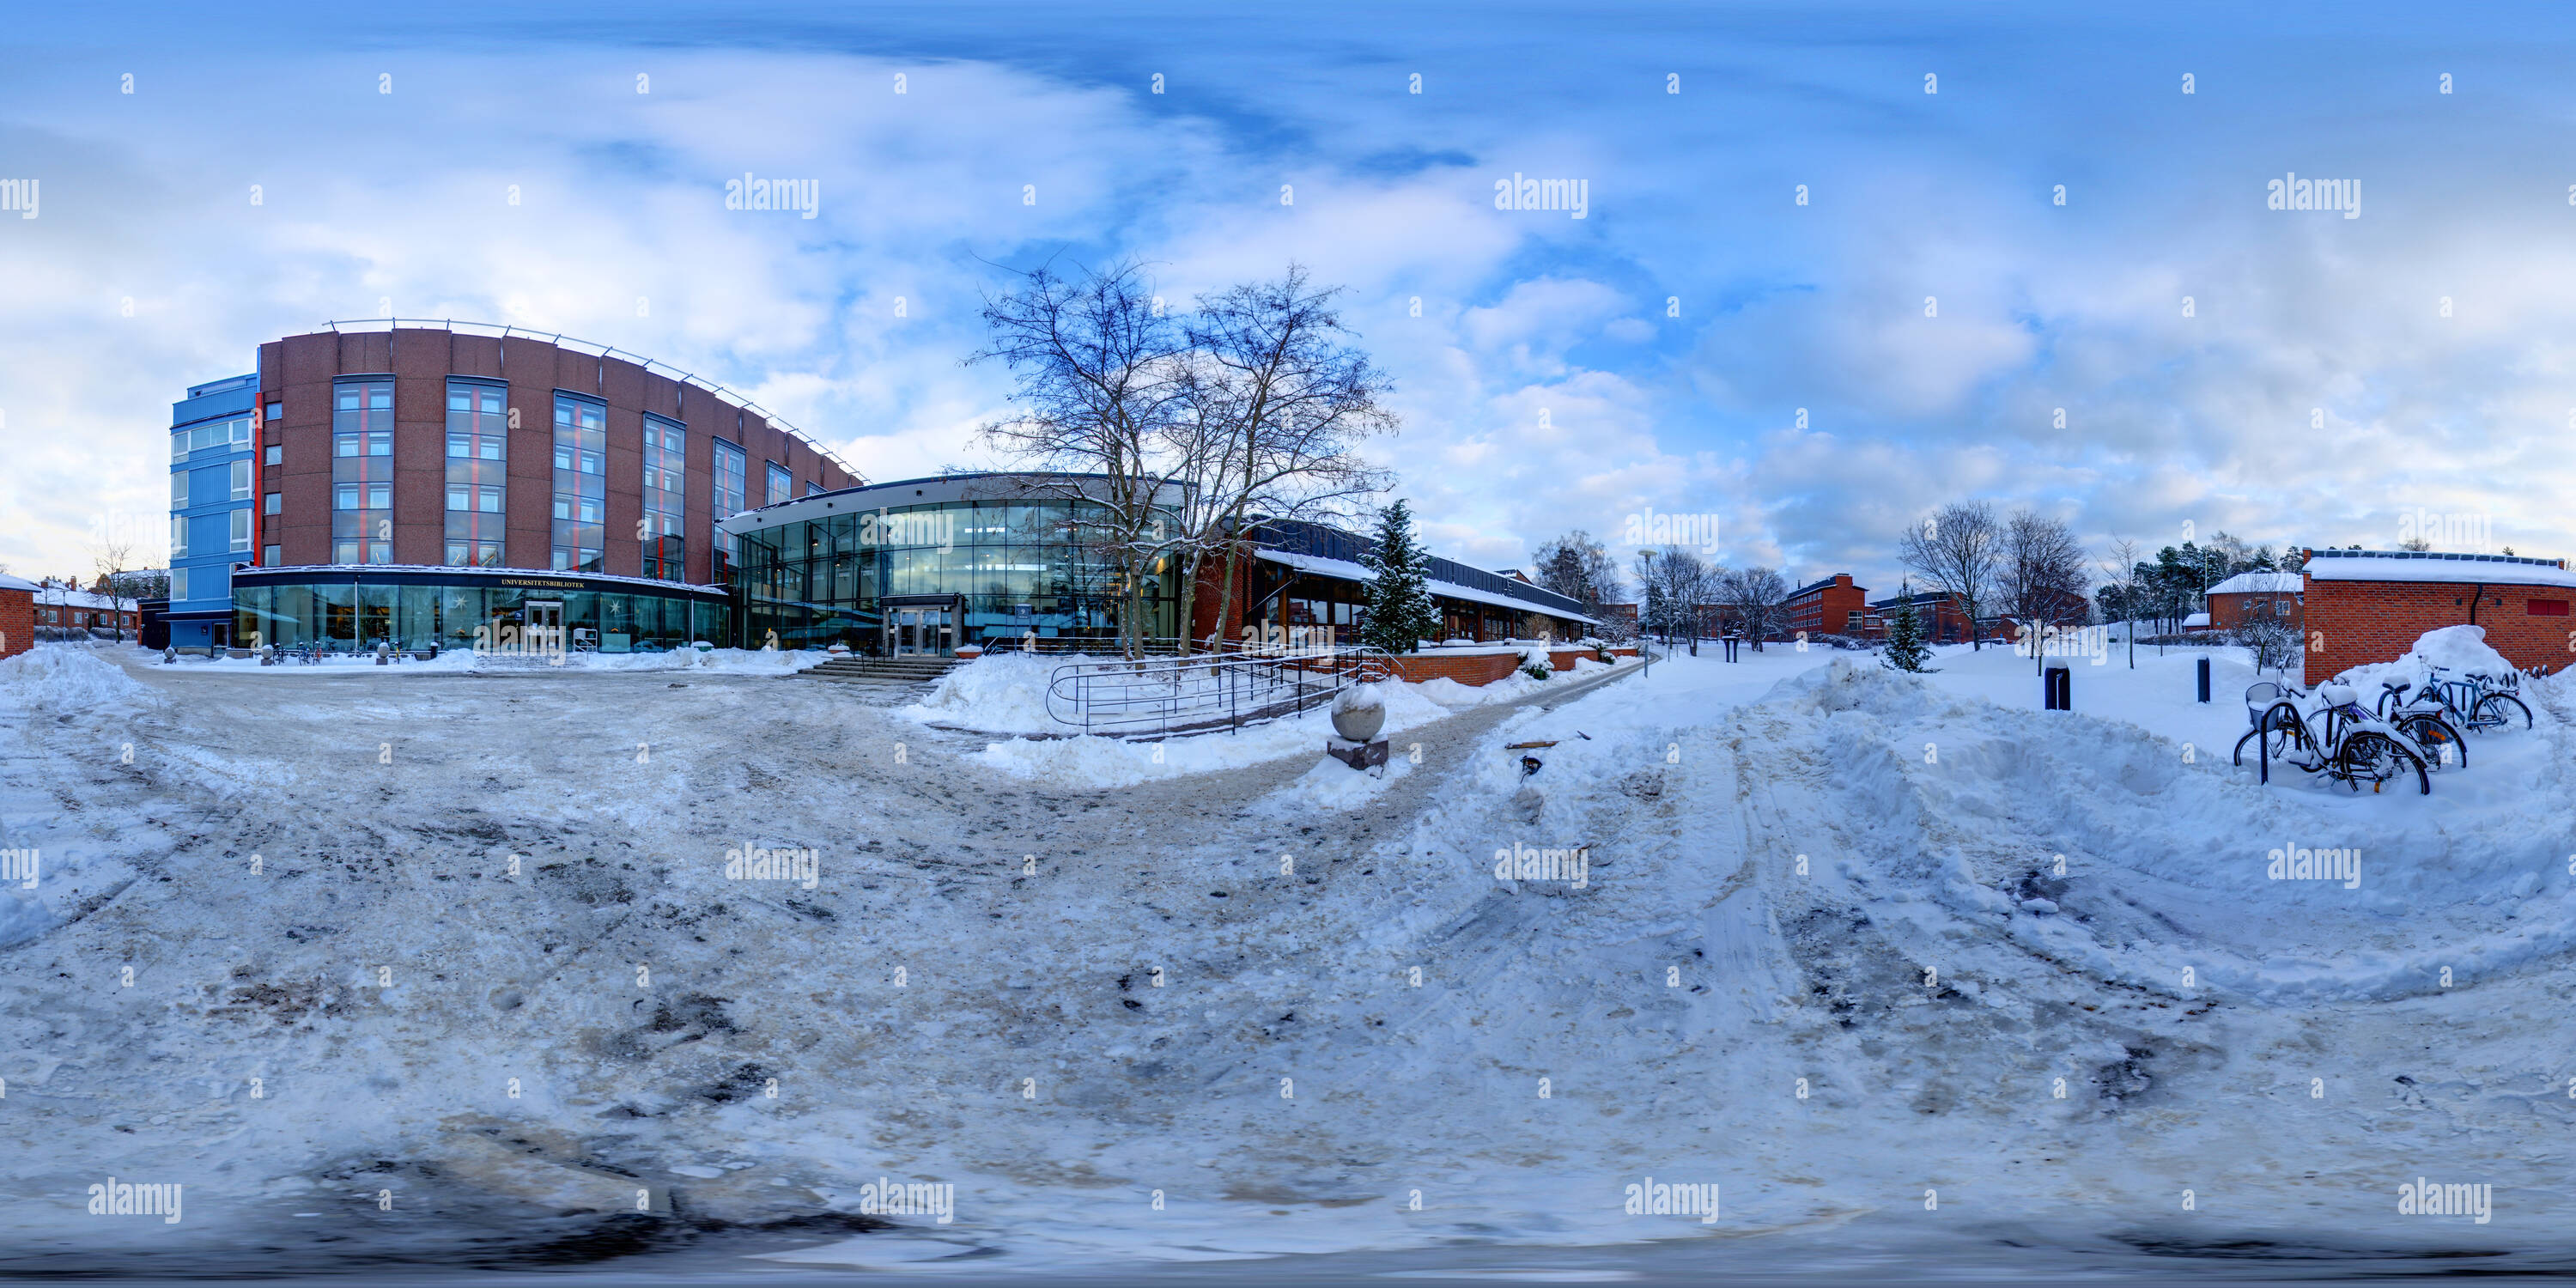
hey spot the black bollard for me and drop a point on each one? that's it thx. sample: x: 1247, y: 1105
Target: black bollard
x: 2058, y: 688
x: 2204, y: 679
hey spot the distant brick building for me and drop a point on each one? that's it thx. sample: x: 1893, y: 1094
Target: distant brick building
x: 2253, y: 595
x: 1833, y: 606
x: 17, y: 615
x: 2365, y: 606
x: 1944, y: 620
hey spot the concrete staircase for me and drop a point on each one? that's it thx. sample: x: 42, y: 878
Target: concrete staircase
x: 889, y: 679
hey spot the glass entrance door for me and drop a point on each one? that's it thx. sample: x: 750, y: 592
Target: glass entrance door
x: 918, y: 631
x: 545, y: 625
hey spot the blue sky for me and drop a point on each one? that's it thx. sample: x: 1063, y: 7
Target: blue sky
x: 2298, y: 318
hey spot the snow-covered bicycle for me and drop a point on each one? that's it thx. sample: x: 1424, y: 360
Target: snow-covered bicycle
x: 2339, y: 738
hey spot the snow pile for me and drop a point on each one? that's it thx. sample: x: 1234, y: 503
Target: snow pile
x: 67, y: 677
x: 2460, y: 650
x: 1093, y: 761
x: 996, y: 693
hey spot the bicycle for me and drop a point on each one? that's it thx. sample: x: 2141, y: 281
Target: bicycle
x: 2339, y: 739
x: 2421, y: 720
x: 2478, y: 703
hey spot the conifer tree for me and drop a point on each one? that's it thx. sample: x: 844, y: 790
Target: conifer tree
x: 1400, y: 614
x: 1905, y: 649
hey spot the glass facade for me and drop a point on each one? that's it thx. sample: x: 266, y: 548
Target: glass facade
x: 362, y: 471
x: 478, y: 464
x: 581, y: 483
x: 780, y: 485
x: 1017, y: 566
x: 339, y: 613
x: 726, y: 503
x: 666, y: 484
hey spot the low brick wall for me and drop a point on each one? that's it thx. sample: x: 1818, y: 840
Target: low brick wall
x: 2351, y: 623
x: 1477, y: 669
x: 17, y: 622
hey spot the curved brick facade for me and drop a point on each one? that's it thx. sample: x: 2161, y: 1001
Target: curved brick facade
x: 297, y: 373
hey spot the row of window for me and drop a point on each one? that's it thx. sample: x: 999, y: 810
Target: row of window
x: 240, y: 536
x: 221, y: 433
x: 237, y: 476
x: 478, y: 484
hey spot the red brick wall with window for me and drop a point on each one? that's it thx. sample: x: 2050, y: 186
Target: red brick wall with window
x: 301, y: 369
x: 2354, y: 623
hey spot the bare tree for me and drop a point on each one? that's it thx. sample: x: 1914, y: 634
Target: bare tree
x: 2040, y: 572
x: 115, y: 557
x: 1955, y: 549
x: 1579, y: 568
x: 1757, y: 596
x: 2120, y: 573
x: 1674, y: 582
x: 1098, y: 381
x: 1273, y: 406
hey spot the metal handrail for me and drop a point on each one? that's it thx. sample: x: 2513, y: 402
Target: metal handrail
x: 1164, y: 696
x: 558, y: 339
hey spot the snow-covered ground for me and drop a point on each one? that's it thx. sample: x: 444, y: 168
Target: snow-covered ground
x: 1821, y: 954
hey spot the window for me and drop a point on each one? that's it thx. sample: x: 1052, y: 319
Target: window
x: 478, y: 451
x: 276, y: 411
x: 581, y: 482
x: 268, y: 557
x: 178, y: 536
x: 2547, y: 608
x: 178, y: 489
x: 268, y: 503
x: 276, y: 455
x: 727, y: 502
x: 813, y: 488
x: 779, y: 483
x: 241, y: 480
x: 241, y: 530
x: 362, y: 471
x: 666, y: 482
x: 179, y: 584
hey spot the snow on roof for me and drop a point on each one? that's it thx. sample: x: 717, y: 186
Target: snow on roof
x: 66, y: 597
x: 2196, y: 619
x: 8, y: 582
x: 1348, y: 571
x: 2258, y: 583
x: 2399, y: 565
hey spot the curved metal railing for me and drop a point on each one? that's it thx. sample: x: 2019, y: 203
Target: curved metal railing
x: 1168, y: 695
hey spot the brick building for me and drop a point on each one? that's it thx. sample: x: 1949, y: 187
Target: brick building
x: 1944, y: 620
x: 2254, y: 595
x: 71, y: 608
x: 2365, y: 606
x: 1833, y: 606
x: 17, y: 615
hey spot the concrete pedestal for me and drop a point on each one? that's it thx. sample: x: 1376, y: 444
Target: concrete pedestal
x: 1357, y: 755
